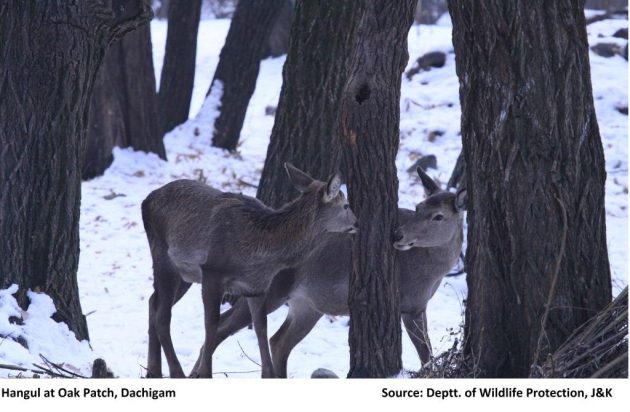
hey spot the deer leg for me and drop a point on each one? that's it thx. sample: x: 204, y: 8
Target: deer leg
x: 181, y: 290
x: 259, y: 318
x: 211, y: 292
x: 416, y: 325
x: 167, y: 285
x: 165, y: 301
x: 299, y: 322
x: 230, y: 321
x: 154, y: 358
x: 235, y: 319
x: 163, y: 327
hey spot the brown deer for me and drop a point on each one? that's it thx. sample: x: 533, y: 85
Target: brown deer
x: 230, y: 243
x: 429, y: 241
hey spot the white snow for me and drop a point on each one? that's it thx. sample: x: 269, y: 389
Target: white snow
x: 115, y: 277
x: 42, y: 335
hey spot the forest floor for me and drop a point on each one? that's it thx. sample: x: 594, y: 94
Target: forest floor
x: 115, y: 277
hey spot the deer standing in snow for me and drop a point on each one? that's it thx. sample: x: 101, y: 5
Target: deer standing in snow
x: 230, y: 243
x: 429, y: 241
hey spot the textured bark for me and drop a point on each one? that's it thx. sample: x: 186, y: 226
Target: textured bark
x: 278, y: 42
x: 124, y: 105
x: 49, y: 55
x: 104, y: 120
x: 178, y: 71
x: 535, y: 178
x: 239, y: 64
x: 306, y: 129
x: 370, y: 117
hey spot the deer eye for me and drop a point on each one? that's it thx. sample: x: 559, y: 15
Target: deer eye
x: 346, y: 206
x: 438, y: 217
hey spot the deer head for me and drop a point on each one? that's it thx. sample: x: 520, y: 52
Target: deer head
x: 334, y: 214
x: 437, y: 219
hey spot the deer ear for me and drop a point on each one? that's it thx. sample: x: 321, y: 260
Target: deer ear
x: 460, y: 200
x: 430, y: 187
x: 298, y: 178
x: 332, y: 187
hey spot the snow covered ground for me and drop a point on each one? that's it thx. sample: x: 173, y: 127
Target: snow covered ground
x: 115, y: 277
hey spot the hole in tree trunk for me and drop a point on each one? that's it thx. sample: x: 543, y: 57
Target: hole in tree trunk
x: 363, y: 94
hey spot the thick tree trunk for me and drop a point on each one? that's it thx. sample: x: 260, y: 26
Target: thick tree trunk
x: 124, y: 106
x: 178, y: 71
x: 239, y: 64
x: 306, y: 129
x: 49, y: 55
x: 535, y: 178
x: 370, y: 117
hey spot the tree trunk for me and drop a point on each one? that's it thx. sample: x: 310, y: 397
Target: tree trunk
x: 429, y: 11
x: 178, y: 71
x: 124, y: 106
x: 306, y: 129
x: 370, y: 117
x: 239, y: 64
x: 535, y: 178
x: 608, y: 5
x: 49, y: 55
x: 278, y: 41
x: 457, y: 176
x: 161, y: 12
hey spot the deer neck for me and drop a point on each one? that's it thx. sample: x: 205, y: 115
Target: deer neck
x: 287, y: 233
x: 449, y: 250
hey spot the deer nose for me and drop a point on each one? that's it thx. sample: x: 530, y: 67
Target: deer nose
x: 397, y: 236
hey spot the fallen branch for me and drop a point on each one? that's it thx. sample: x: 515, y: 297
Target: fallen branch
x: 40, y: 371
x: 59, y: 368
x: 597, y: 349
x: 244, y: 183
x: 246, y: 355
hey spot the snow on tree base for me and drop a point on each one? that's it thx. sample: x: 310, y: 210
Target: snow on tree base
x: 25, y: 335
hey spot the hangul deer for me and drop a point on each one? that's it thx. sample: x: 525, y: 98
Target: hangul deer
x: 229, y: 243
x: 429, y: 241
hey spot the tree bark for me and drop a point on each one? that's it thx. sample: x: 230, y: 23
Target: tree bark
x: 608, y: 5
x: 178, y: 71
x: 370, y: 117
x: 537, y: 261
x: 306, y: 128
x: 239, y: 63
x: 124, y: 106
x: 457, y: 176
x: 49, y: 55
x: 278, y: 41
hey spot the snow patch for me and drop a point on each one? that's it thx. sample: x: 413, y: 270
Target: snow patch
x: 210, y: 109
x: 41, y: 334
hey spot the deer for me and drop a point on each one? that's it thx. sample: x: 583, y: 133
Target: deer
x: 428, y: 243
x: 230, y: 243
